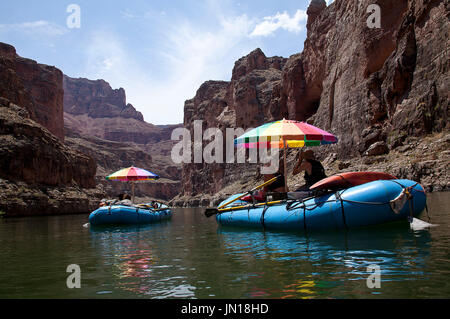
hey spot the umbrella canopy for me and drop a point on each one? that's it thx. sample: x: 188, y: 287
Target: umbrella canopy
x: 285, y: 134
x: 132, y: 174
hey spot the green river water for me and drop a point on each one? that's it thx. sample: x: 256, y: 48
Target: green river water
x: 191, y: 257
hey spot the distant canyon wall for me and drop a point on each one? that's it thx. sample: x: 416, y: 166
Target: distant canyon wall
x: 100, y: 122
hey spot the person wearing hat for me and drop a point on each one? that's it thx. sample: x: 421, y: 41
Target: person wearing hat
x: 314, y: 171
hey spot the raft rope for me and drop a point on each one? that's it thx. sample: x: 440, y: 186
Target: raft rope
x: 339, y: 197
x: 301, y: 204
x: 263, y: 215
x: 298, y: 204
x: 304, y: 217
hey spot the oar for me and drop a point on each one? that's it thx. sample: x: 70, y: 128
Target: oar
x: 213, y: 211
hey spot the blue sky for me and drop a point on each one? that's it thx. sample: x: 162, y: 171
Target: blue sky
x: 160, y: 52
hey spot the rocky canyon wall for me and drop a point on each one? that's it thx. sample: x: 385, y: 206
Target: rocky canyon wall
x: 376, y: 86
x: 39, y: 174
x: 33, y: 86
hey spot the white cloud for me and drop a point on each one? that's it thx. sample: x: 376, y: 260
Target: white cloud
x: 105, y: 54
x: 41, y: 28
x: 281, y: 21
x: 190, y: 55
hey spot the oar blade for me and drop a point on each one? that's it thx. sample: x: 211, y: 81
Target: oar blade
x: 209, y: 212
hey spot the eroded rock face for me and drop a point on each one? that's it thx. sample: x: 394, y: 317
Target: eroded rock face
x: 314, y: 9
x: 93, y: 108
x: 252, y: 97
x: 111, y: 156
x: 372, y: 88
x: 30, y: 153
x: 33, y: 86
x: 395, y: 77
x: 96, y: 99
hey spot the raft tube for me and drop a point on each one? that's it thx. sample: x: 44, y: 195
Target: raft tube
x: 364, y: 205
x: 128, y: 215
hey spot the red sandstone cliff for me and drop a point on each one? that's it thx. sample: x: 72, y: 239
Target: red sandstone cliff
x: 39, y: 174
x: 377, y: 85
x: 252, y: 97
x: 36, y: 87
x: 384, y: 92
x: 32, y: 154
x: 96, y: 99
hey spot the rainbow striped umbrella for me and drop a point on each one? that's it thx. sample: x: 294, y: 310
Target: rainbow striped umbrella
x: 132, y: 174
x: 285, y: 134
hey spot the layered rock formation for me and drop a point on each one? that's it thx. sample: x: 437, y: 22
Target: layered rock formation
x: 32, y: 154
x: 96, y: 99
x: 99, y: 122
x: 34, y: 86
x: 38, y: 173
x: 252, y: 97
x: 377, y: 89
x: 378, y: 85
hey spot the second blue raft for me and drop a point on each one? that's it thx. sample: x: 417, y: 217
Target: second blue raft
x: 369, y: 204
x: 128, y: 215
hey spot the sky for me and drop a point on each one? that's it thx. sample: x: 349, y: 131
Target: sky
x: 160, y: 52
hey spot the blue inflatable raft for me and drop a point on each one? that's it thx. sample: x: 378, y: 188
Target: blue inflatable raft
x: 369, y: 204
x: 129, y: 215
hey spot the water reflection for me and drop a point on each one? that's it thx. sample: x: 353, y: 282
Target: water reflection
x: 129, y: 254
x: 321, y: 262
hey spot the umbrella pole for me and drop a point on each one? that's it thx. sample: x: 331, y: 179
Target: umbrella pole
x: 132, y: 192
x: 285, y: 169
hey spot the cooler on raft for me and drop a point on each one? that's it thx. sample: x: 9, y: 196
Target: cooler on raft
x: 372, y: 203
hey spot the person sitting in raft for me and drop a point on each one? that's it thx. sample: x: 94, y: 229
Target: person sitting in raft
x: 154, y: 205
x: 107, y: 202
x: 124, y: 199
x: 314, y: 171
